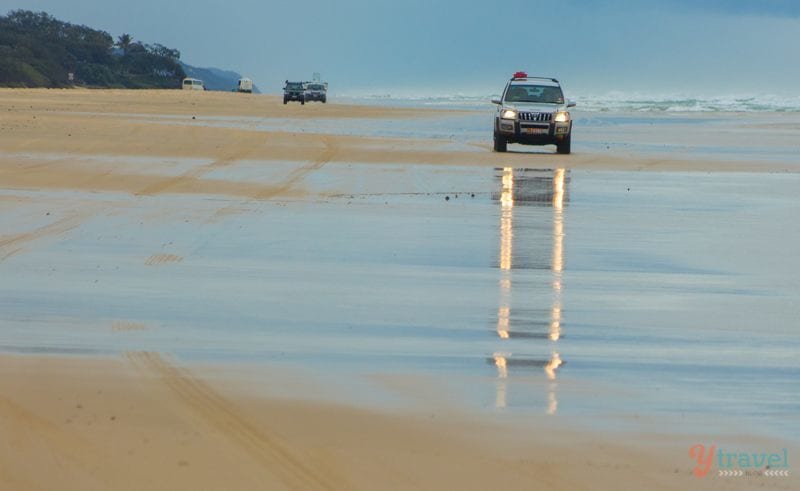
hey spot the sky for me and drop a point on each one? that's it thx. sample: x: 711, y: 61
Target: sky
x: 430, y: 47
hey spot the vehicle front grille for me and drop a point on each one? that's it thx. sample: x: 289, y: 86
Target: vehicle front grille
x: 546, y: 117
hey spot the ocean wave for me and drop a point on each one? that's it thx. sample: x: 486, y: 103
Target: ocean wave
x: 611, y: 102
x: 681, y: 103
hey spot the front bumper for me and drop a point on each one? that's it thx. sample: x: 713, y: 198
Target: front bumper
x: 543, y: 133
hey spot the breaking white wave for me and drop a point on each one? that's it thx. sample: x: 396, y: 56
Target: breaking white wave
x: 683, y: 103
x: 610, y: 102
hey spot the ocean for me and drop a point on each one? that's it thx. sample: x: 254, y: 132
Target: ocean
x: 608, y: 102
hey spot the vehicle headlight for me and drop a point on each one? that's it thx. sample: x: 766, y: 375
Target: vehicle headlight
x: 562, y: 117
x: 509, y: 114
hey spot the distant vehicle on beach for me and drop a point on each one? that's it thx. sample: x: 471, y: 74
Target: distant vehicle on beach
x: 533, y: 111
x: 193, y: 84
x: 245, y: 85
x: 294, y: 91
x: 316, y: 91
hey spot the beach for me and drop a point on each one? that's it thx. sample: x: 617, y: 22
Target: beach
x: 208, y: 290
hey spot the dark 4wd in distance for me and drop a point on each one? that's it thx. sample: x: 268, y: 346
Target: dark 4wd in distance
x: 294, y: 91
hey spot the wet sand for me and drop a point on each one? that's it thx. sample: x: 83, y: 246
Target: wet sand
x: 44, y: 130
x: 347, y: 297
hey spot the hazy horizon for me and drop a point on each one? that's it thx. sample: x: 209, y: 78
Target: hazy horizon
x: 471, y: 47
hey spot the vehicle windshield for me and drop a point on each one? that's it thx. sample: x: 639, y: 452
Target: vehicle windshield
x: 315, y: 87
x: 294, y: 86
x: 546, y: 94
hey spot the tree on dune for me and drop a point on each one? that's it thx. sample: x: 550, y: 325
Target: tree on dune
x: 124, y: 42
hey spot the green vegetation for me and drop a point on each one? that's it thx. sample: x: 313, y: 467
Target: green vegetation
x: 37, y: 50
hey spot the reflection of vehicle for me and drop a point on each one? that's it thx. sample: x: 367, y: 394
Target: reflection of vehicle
x: 533, y: 111
x: 193, y: 84
x: 294, y: 91
x: 245, y: 85
x: 316, y: 91
x: 538, y: 318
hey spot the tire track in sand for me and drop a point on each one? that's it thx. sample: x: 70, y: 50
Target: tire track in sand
x: 301, y: 172
x: 192, y: 174
x: 295, y: 176
x: 159, y: 259
x: 196, y: 173
x: 11, y: 245
x: 266, y: 449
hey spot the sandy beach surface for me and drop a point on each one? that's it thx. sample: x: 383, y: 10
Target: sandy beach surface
x: 218, y: 291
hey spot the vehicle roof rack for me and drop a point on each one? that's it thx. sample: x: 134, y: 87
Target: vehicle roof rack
x: 539, y: 78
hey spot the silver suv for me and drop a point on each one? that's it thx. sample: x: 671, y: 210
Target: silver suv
x: 316, y: 91
x: 533, y: 111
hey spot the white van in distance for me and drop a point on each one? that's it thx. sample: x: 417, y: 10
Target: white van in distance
x: 245, y: 85
x: 193, y: 84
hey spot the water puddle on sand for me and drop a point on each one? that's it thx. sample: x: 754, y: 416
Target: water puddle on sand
x: 535, y: 291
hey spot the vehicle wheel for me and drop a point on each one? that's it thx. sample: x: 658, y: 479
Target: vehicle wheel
x: 324, y: 100
x: 285, y: 100
x: 500, y: 143
x: 565, y: 146
x: 302, y: 102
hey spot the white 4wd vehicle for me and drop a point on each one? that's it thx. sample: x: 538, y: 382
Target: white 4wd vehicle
x: 533, y: 111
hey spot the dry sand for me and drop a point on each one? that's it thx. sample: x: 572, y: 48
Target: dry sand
x: 141, y: 422
x: 144, y: 423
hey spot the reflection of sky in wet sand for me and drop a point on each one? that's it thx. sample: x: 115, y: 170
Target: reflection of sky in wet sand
x: 570, y: 294
x: 529, y: 187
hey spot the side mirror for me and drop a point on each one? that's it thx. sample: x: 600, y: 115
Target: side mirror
x: 571, y: 103
x: 496, y: 101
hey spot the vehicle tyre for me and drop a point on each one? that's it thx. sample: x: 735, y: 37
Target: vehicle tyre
x: 285, y: 100
x: 303, y: 101
x: 565, y: 147
x: 500, y: 143
x: 324, y: 100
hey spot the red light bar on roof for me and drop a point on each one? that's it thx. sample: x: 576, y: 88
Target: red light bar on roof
x: 520, y: 75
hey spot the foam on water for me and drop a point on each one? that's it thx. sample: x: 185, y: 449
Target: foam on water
x: 607, y: 102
